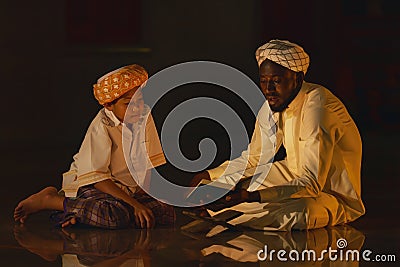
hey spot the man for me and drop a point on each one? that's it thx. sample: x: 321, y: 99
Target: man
x: 317, y: 184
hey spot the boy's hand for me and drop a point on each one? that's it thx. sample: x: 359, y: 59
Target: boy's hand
x: 144, y: 217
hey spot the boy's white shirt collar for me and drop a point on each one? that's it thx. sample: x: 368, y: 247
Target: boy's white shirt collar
x: 116, y: 121
x: 112, y: 117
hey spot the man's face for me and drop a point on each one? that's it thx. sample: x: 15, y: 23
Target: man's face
x: 279, y: 84
x: 120, y: 106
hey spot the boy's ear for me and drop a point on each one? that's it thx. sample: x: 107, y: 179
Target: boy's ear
x: 108, y: 106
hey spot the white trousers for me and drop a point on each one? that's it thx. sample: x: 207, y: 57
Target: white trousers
x: 299, y: 213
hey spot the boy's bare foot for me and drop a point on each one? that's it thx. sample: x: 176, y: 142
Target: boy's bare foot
x: 48, y: 198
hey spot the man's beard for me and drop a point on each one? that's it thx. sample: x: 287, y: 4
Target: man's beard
x: 286, y: 103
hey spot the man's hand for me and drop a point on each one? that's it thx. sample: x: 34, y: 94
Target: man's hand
x: 198, y: 177
x: 233, y: 198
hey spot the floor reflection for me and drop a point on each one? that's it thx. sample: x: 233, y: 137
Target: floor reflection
x: 91, y: 247
x: 173, y: 247
x: 245, y: 246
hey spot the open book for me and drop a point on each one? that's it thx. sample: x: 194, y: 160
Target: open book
x: 207, y: 190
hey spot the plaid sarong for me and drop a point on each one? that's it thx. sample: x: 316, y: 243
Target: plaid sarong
x: 95, y: 208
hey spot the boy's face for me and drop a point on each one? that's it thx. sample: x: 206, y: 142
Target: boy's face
x: 120, y: 106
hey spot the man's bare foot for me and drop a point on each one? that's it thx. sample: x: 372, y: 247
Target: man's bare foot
x: 48, y: 198
x: 48, y: 249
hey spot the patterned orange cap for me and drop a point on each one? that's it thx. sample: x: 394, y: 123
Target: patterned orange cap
x: 116, y: 83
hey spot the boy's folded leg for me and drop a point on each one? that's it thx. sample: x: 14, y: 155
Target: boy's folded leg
x: 95, y: 208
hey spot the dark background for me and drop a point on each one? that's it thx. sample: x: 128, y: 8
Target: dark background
x: 53, y: 51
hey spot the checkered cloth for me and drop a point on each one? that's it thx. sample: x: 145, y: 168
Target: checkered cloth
x: 284, y: 53
x: 95, y: 208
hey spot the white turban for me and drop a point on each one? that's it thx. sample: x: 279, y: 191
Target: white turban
x: 284, y: 53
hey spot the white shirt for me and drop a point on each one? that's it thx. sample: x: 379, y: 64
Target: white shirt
x: 101, y: 155
x: 323, y: 148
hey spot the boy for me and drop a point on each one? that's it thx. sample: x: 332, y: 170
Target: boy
x: 99, y: 188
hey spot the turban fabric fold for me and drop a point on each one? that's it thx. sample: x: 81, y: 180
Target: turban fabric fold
x: 116, y: 83
x: 284, y: 53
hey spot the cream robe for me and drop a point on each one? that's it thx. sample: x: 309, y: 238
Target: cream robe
x: 101, y: 154
x: 318, y: 183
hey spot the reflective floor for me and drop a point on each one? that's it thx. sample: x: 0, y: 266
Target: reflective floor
x: 40, y: 244
x: 374, y: 237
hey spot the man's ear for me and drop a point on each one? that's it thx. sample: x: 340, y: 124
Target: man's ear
x: 299, y: 79
x: 108, y: 106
